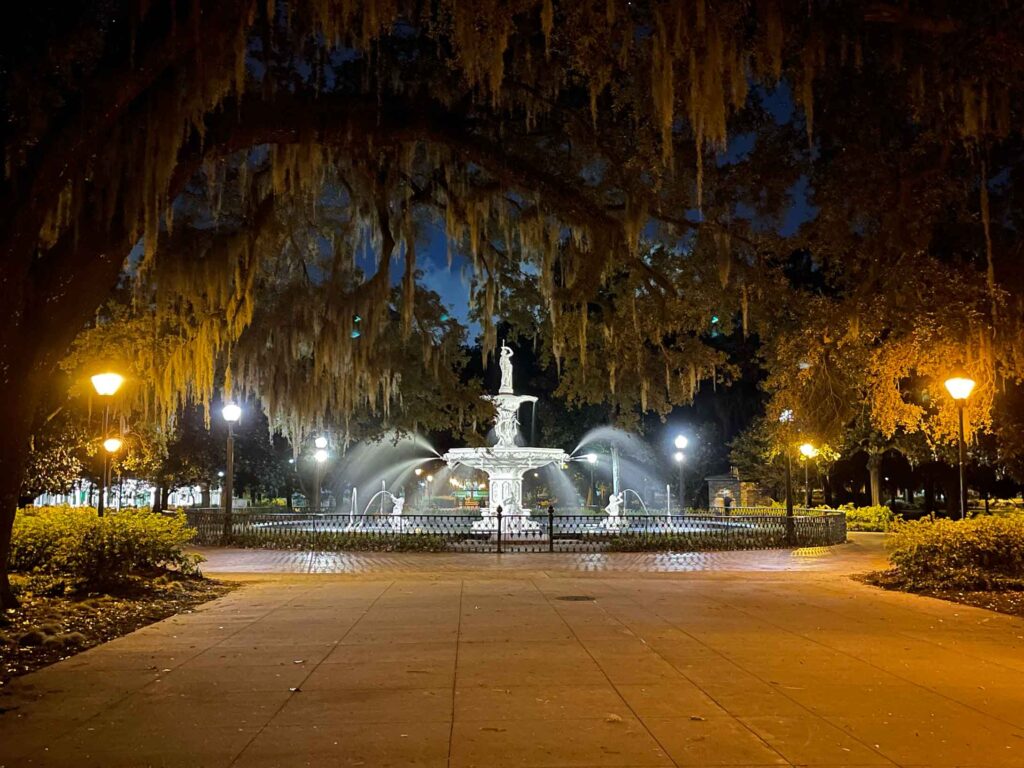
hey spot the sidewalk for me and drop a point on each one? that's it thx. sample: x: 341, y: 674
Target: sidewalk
x: 766, y: 659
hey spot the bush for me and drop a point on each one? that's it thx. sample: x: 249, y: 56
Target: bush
x: 64, y: 547
x: 978, y: 554
x: 879, y: 518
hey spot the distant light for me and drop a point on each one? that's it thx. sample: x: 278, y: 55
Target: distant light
x: 220, y: 474
x: 808, y: 450
x: 231, y: 413
x: 320, y: 442
x: 444, y: 318
x: 678, y: 456
x: 430, y: 478
x: 107, y: 383
x: 714, y: 319
x: 591, y: 458
x: 418, y: 471
x: 112, y: 445
x: 320, y: 455
x: 356, y: 319
x: 291, y: 461
x: 786, y: 416
x: 803, y: 365
x: 355, y: 334
x: 681, y: 442
x: 960, y: 387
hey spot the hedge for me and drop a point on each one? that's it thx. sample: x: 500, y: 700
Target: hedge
x: 74, y: 548
x: 981, y: 553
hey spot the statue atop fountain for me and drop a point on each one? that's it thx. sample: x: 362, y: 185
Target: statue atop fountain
x: 505, y: 462
x: 615, y: 520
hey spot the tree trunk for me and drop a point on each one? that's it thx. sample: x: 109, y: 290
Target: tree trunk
x: 165, y: 499
x: 929, y: 497
x: 875, y: 472
x: 204, y: 499
x: 826, y: 489
x: 158, y: 499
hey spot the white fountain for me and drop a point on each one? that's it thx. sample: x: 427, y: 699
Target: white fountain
x: 505, y: 462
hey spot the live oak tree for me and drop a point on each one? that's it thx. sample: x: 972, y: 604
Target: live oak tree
x: 553, y: 133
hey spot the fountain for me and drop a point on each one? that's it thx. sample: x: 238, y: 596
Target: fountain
x: 505, y: 462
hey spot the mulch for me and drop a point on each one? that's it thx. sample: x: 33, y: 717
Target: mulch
x: 1008, y: 601
x: 45, y: 629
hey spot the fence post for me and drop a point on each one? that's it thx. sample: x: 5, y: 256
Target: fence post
x: 551, y: 528
x: 499, y: 529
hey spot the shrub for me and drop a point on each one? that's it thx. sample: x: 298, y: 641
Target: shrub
x: 879, y: 518
x: 64, y: 547
x: 976, y: 554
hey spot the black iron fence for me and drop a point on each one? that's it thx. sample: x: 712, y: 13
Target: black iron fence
x: 541, y: 532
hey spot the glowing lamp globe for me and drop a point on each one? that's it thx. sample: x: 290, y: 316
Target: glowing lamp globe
x: 320, y: 455
x: 107, y: 384
x: 112, y: 445
x: 808, y: 450
x: 320, y: 442
x: 231, y: 413
x: 591, y: 458
x: 681, y: 442
x: 418, y: 471
x: 678, y: 456
x: 959, y: 387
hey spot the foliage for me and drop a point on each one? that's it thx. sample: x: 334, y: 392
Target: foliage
x: 58, y: 455
x: 73, y: 548
x: 879, y: 518
x: 975, y: 554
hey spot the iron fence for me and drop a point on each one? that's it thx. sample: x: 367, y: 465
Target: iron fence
x: 541, y: 532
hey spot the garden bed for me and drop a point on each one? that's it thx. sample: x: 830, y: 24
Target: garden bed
x: 1008, y: 601
x: 48, y: 629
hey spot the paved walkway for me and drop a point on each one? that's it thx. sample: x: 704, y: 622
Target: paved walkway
x: 468, y: 662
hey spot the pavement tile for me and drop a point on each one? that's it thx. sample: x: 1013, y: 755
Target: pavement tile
x: 714, y: 741
x: 577, y: 743
x: 538, y: 702
x: 385, y: 745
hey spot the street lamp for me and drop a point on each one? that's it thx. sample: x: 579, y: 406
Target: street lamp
x: 231, y: 413
x: 959, y: 388
x: 320, y: 456
x: 110, y: 446
x: 106, y: 385
x: 809, y: 452
x: 786, y: 418
x: 679, y: 457
x: 591, y: 460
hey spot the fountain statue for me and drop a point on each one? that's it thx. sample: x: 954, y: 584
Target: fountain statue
x: 505, y: 462
x: 615, y: 520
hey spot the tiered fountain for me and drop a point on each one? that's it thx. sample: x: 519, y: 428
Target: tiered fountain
x: 505, y: 462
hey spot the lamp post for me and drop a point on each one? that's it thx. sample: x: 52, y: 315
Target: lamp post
x: 959, y: 388
x: 231, y: 413
x: 680, y: 443
x: 106, y: 385
x: 591, y: 460
x: 320, y: 456
x: 110, y: 446
x: 809, y: 452
x: 786, y: 418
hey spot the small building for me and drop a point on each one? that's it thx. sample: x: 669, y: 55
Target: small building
x: 728, y: 491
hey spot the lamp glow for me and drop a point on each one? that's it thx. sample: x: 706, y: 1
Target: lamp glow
x: 591, y: 458
x: 112, y: 445
x: 808, y: 450
x: 418, y: 471
x: 959, y: 387
x: 320, y: 442
x: 430, y: 478
x: 678, y: 457
x: 320, y: 455
x: 231, y: 413
x: 681, y: 442
x: 107, y: 383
